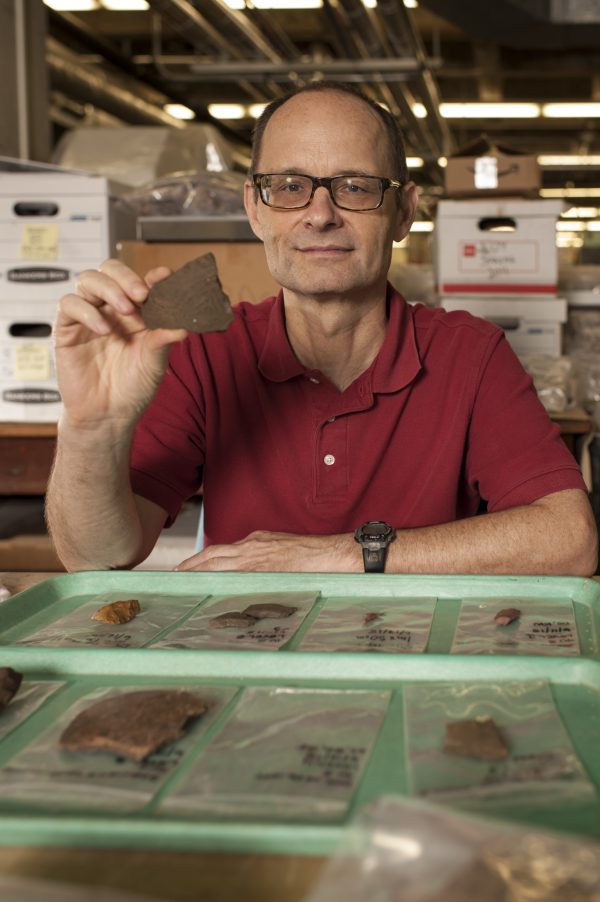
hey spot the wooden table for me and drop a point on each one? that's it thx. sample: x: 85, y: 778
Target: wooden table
x: 177, y: 876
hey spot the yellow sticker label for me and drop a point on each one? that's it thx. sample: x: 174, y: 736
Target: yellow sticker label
x: 39, y: 242
x: 31, y: 360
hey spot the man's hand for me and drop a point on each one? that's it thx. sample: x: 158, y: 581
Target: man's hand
x: 281, y: 552
x: 108, y: 363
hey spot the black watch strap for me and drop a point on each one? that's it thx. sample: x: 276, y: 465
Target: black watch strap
x: 374, y: 559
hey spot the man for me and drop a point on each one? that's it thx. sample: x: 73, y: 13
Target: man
x: 333, y: 405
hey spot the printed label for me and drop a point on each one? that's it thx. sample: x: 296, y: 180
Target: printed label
x: 39, y: 242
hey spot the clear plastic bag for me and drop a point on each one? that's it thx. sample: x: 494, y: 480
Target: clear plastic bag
x: 543, y: 628
x: 284, y: 754
x: 43, y: 775
x: 554, y: 379
x: 158, y: 612
x: 267, y: 633
x: 400, y: 850
x: 541, y: 765
x: 30, y: 695
x: 190, y: 194
x: 374, y: 624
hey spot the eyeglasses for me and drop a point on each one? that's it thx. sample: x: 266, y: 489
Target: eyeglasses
x: 287, y: 191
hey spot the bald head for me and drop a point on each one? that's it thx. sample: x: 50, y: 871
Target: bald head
x: 382, y: 128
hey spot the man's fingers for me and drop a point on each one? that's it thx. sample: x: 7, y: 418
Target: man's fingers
x: 153, y: 276
x: 98, y: 288
x: 161, y: 338
x: 133, y: 285
x: 72, y: 309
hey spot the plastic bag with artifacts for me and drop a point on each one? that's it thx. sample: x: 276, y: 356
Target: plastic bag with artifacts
x: 400, y: 850
x: 395, y: 625
x: 520, y: 755
x: 46, y: 776
x: 80, y: 627
x: 284, y: 755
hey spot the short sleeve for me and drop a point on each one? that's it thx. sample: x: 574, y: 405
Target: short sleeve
x: 515, y: 454
x: 168, y: 448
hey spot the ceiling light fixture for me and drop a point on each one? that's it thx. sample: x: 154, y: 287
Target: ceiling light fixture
x: 571, y: 110
x: 370, y: 4
x: 562, y: 226
x: 256, y: 110
x: 287, y: 4
x: 72, y: 6
x: 235, y: 4
x: 419, y: 110
x: 570, y: 192
x: 587, y: 159
x: 227, y: 110
x: 414, y: 162
x: 422, y: 226
x: 581, y: 213
x: 179, y: 111
x: 442, y: 161
x: 125, y: 5
x: 411, y: 4
x: 489, y: 110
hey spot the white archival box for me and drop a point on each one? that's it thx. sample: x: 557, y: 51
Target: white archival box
x: 28, y: 389
x: 496, y: 247
x: 531, y: 325
x: 53, y: 225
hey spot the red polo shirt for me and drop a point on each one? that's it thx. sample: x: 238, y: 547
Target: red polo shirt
x: 445, y: 416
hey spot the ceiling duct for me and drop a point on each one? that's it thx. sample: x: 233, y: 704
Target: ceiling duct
x: 90, y: 84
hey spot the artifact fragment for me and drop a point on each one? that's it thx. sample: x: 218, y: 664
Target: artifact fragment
x: 191, y: 298
x: 10, y: 680
x: 371, y: 617
x: 478, y: 738
x: 276, y: 611
x: 506, y: 616
x: 233, y: 619
x: 133, y: 724
x: 118, y: 611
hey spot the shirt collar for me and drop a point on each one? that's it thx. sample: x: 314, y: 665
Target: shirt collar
x: 395, y: 366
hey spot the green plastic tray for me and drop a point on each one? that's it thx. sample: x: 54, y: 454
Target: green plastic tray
x: 575, y: 685
x: 45, y: 602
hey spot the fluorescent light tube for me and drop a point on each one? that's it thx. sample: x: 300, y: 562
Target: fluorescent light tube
x: 75, y: 6
x: 122, y: 5
x: 588, y: 159
x: 419, y: 110
x: 287, y: 4
x: 569, y: 192
x: 227, y: 110
x: 571, y: 110
x: 489, y: 110
x: 256, y: 110
x: 179, y: 111
x: 414, y: 162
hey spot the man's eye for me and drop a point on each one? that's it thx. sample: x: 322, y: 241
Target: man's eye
x: 354, y: 188
x: 292, y: 187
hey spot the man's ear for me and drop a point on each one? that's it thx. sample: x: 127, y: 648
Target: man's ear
x: 251, y: 205
x: 407, y: 207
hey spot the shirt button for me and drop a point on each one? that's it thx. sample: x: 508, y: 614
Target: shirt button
x: 312, y: 379
x: 331, y: 419
x: 329, y: 460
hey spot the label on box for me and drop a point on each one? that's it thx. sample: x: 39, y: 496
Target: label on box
x: 31, y: 361
x: 498, y: 258
x: 486, y: 172
x: 39, y: 242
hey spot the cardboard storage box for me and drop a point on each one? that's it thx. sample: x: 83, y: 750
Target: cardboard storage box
x: 484, y: 168
x: 496, y: 247
x: 532, y: 326
x: 54, y: 225
x: 28, y: 388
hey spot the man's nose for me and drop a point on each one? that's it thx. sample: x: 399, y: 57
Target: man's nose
x: 322, y: 209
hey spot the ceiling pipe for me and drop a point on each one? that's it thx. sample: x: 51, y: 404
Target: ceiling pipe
x: 90, y: 84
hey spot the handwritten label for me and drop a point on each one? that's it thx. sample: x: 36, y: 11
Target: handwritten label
x: 31, y: 361
x: 326, y: 765
x: 39, y: 242
x: 381, y: 636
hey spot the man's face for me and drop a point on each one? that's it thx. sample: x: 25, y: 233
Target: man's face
x: 322, y: 250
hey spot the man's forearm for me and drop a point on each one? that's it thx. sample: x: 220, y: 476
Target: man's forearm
x: 533, y: 539
x: 553, y: 536
x: 90, y: 507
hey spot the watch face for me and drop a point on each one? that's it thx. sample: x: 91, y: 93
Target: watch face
x: 375, y: 530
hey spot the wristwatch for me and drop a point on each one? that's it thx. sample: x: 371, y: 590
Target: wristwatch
x: 374, y: 537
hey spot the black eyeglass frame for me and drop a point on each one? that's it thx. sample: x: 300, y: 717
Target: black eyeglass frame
x: 325, y: 182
